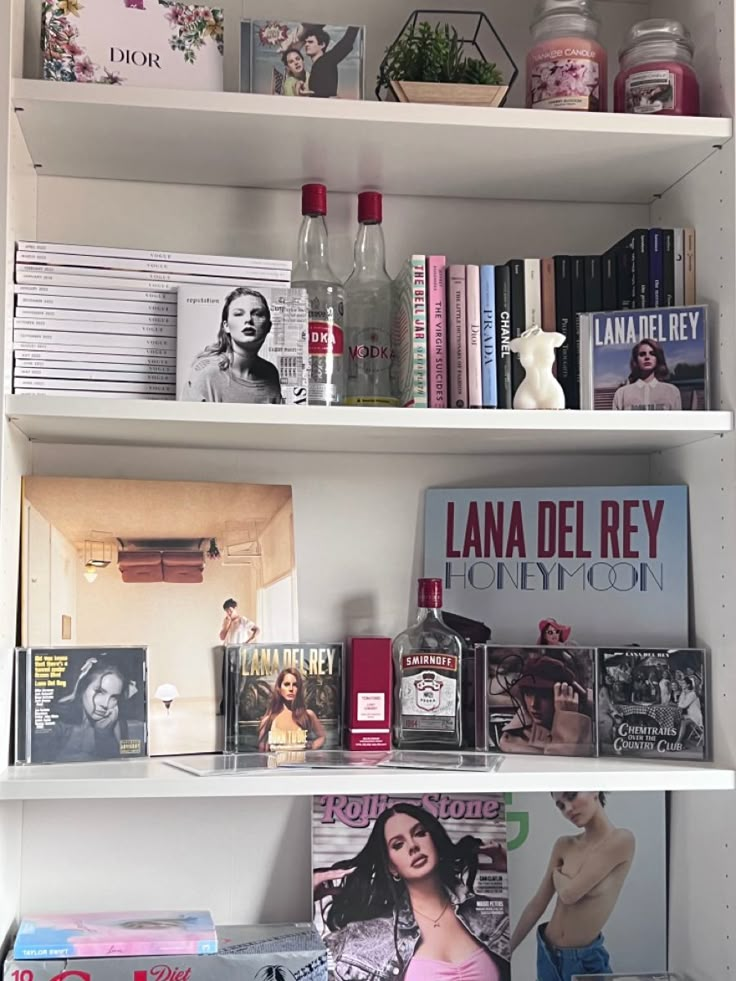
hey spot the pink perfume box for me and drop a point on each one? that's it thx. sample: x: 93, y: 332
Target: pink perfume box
x: 153, y: 43
x: 369, y: 693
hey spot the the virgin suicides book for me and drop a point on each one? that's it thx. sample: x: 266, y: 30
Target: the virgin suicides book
x: 653, y: 703
x: 80, y: 704
x: 388, y: 870
x: 563, y: 566
x: 283, y: 698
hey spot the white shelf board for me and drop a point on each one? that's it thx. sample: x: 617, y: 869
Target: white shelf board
x: 231, y: 139
x: 75, y: 420
x: 154, y: 778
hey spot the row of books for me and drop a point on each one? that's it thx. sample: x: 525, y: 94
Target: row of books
x: 454, y: 323
x: 102, y: 322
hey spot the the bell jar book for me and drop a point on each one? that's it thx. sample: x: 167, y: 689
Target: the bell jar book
x: 564, y: 566
x: 390, y: 872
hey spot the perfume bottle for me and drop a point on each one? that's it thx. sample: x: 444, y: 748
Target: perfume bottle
x: 427, y: 668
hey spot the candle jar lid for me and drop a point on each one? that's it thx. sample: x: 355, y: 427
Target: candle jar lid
x: 573, y: 8
x: 658, y: 29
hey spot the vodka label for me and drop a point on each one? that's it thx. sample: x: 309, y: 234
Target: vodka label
x: 429, y: 691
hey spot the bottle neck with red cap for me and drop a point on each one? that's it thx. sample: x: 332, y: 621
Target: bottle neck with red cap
x: 429, y: 600
x: 370, y: 246
x: 313, y: 259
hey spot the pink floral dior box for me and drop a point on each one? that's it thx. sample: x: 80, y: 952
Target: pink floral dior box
x: 152, y: 43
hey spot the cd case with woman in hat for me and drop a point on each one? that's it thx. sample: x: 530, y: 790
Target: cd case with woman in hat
x: 535, y: 700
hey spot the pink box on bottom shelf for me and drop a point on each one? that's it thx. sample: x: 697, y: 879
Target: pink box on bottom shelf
x: 368, y: 694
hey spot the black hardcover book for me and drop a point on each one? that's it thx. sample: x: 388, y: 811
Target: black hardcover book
x: 653, y: 703
x: 668, y: 272
x: 518, y: 315
x: 283, y: 698
x: 517, y: 707
x: 626, y: 272
x: 504, y: 356
x: 609, y: 281
x: 80, y: 704
x: 578, y: 307
x: 641, y: 269
x: 593, y: 284
x: 656, y: 267
x: 563, y: 307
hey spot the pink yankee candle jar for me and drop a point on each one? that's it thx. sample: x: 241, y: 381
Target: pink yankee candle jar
x: 566, y: 67
x: 656, y: 74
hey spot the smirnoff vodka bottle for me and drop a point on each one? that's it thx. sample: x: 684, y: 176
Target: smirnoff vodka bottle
x: 312, y: 272
x: 368, y: 311
x: 427, y: 670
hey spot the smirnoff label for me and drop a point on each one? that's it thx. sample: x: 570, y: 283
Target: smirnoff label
x: 429, y: 691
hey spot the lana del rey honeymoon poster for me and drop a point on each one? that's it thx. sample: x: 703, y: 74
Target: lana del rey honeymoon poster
x: 563, y: 566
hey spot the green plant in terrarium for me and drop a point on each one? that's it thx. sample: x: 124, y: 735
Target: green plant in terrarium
x: 435, y: 54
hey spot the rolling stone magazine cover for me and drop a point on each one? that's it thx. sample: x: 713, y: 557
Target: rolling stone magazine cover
x: 283, y: 698
x: 398, y: 882
x: 241, y: 344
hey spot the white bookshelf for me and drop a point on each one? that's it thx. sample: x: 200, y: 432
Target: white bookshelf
x: 511, y: 154
x: 217, y: 173
x: 146, y: 779
x: 353, y: 430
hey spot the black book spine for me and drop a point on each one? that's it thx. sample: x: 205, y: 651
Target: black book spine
x: 518, y: 315
x: 641, y: 269
x: 626, y: 272
x: 578, y: 307
x: 593, y: 284
x: 609, y: 280
x: 668, y: 277
x: 563, y: 319
x: 503, y: 338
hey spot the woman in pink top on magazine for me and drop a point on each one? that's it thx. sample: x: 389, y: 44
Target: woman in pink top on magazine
x: 404, y: 907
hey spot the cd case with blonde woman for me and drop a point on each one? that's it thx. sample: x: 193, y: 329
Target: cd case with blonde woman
x: 399, y: 881
x: 80, y: 704
x: 242, y: 344
x: 283, y: 698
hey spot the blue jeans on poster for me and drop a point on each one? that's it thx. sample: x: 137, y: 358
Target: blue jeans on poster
x: 562, y: 963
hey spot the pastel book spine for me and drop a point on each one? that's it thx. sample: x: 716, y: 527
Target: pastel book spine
x: 518, y: 316
x: 668, y: 270
x: 533, y: 292
x: 54, y: 293
x: 475, y: 347
x: 488, y: 336
x: 71, y: 306
x: 91, y: 316
x: 504, y: 382
x: 656, y: 268
x: 43, y: 248
x: 153, y: 266
x: 437, y: 331
x: 457, y: 339
x: 419, y: 320
x: 563, y: 306
x: 95, y: 327
x: 548, y: 295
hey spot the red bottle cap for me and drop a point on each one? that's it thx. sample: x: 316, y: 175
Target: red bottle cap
x: 314, y: 199
x: 430, y: 594
x: 370, y: 207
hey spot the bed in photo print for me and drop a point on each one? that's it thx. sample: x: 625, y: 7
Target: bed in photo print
x: 652, y: 360
x: 402, y: 884
x: 304, y: 60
